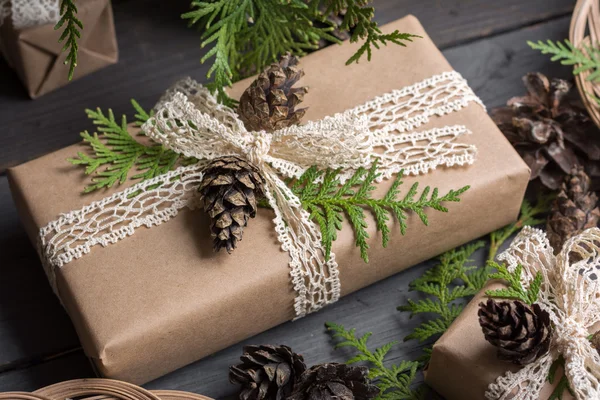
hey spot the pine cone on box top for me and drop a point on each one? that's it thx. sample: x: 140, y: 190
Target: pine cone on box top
x: 267, y: 372
x: 230, y: 190
x: 550, y: 133
x: 270, y: 102
x: 574, y: 210
x: 335, y: 382
x: 520, y: 332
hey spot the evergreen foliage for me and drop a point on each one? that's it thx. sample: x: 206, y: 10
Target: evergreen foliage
x: 115, y: 153
x: 394, y: 381
x: 587, y: 59
x: 247, y: 35
x: 71, y: 34
x: 445, y: 287
x: 441, y: 284
x: 328, y: 200
x: 563, y: 384
x: 515, y: 289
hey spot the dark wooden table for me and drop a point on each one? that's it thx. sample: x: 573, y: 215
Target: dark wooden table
x: 485, y: 40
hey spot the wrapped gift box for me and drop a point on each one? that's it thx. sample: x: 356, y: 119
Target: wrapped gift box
x: 37, y: 56
x: 463, y: 355
x: 164, y: 289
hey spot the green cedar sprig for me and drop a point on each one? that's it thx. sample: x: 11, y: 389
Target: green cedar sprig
x: 394, y: 381
x: 247, y: 35
x: 71, y: 33
x: 449, y: 283
x: 587, y: 59
x: 115, y: 153
x: 515, y: 289
x: 441, y: 284
x: 328, y: 200
x: 563, y: 384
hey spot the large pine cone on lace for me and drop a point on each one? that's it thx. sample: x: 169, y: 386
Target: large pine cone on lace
x: 270, y: 102
x: 574, y: 210
x: 230, y: 190
x: 267, y: 372
x: 520, y: 332
x: 550, y: 133
x: 335, y: 381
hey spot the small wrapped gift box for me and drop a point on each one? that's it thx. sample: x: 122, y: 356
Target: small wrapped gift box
x: 35, y: 53
x: 165, y: 289
x: 464, y: 364
x: 549, y: 322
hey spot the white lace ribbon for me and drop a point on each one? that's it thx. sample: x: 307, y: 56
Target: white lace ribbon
x: 191, y: 122
x: 28, y: 13
x: 570, y: 293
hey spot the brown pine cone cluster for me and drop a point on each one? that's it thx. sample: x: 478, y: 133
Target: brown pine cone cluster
x: 270, y: 102
x: 551, y: 134
x: 277, y: 373
x: 335, y: 381
x: 574, y: 210
x: 267, y: 372
x: 521, y: 332
x: 230, y: 190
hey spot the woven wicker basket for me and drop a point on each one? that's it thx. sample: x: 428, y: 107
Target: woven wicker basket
x: 99, y: 389
x: 585, y: 30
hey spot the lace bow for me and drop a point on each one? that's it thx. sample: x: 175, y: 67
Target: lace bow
x: 28, y: 13
x: 570, y: 293
x: 190, y: 121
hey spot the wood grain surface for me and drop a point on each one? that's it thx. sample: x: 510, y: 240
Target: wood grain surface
x: 482, y: 39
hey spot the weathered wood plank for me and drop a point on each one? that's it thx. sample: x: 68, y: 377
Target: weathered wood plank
x: 493, y: 66
x: 72, y: 366
x: 156, y: 48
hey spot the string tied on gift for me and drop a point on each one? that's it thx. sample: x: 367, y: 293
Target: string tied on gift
x: 190, y: 121
x: 258, y: 148
x: 570, y: 293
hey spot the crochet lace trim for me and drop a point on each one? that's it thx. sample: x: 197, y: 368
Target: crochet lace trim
x: 191, y: 122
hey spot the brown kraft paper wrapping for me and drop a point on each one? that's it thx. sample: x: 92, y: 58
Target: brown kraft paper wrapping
x: 164, y: 289
x: 463, y: 363
x: 37, y: 56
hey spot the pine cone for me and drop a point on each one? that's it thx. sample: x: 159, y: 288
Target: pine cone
x: 230, y: 190
x: 596, y: 341
x: 335, y: 381
x: 267, y: 372
x: 519, y: 331
x: 551, y: 134
x: 270, y: 101
x: 574, y: 209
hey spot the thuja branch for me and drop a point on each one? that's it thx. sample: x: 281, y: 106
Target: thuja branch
x: 587, y: 59
x: 328, y: 201
x: 245, y: 36
x: 115, y: 153
x: 455, y: 278
x: 71, y: 34
x: 394, y: 382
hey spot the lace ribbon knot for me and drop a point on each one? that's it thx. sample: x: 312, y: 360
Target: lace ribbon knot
x: 258, y: 147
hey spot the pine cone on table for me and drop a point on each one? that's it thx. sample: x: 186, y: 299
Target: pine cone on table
x: 550, y: 133
x: 270, y: 102
x: 574, y: 210
x: 267, y: 372
x: 520, y: 332
x: 230, y: 190
x: 335, y: 381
